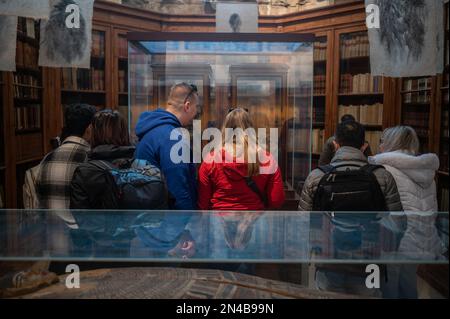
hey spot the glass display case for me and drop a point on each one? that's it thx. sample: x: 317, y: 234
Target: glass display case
x: 227, y: 236
x: 215, y: 243
x: 269, y: 75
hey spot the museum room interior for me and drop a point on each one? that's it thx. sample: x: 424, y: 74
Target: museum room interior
x: 349, y: 104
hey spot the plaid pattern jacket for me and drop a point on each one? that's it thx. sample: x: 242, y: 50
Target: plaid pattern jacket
x: 56, y: 171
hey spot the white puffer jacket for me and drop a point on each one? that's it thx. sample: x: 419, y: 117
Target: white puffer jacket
x: 414, y: 176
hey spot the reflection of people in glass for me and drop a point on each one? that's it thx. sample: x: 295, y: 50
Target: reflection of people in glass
x: 238, y: 228
x: 235, y: 22
x: 228, y: 180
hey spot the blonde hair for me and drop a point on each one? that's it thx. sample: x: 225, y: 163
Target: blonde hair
x: 400, y: 138
x: 240, y: 119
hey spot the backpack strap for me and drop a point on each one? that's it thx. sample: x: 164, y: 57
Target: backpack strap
x: 103, y: 165
x: 252, y: 185
x: 326, y: 169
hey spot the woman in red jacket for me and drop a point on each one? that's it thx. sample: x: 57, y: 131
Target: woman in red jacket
x: 224, y: 178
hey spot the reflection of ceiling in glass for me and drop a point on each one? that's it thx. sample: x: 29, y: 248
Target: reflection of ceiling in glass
x: 223, y: 47
x: 199, y: 7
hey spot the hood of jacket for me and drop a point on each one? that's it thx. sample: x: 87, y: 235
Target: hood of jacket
x: 420, y: 169
x: 149, y: 120
x: 234, y: 171
x: 347, y: 154
x: 112, y: 153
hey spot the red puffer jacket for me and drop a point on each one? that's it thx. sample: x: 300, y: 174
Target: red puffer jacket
x: 222, y: 186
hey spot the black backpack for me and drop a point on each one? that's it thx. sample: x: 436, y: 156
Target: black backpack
x: 349, y: 190
x: 137, y: 186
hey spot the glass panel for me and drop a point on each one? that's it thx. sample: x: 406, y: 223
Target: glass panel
x: 286, y: 237
x: 272, y: 80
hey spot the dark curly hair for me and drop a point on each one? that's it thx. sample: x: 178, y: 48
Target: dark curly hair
x: 77, y: 118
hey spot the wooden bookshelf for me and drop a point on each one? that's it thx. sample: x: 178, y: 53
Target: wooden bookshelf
x: 441, y: 137
x: 23, y: 94
x: 416, y: 107
x: 121, y: 72
x: 356, y: 91
x: 2, y: 149
x: 88, y: 85
x: 321, y: 83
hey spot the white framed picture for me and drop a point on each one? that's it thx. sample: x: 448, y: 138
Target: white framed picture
x: 235, y: 17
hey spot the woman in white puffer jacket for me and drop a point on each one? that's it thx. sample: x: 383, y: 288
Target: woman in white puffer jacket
x: 414, y: 175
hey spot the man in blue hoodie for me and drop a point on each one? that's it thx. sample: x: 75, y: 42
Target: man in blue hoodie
x: 154, y: 129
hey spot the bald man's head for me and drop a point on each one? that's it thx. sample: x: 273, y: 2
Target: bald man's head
x: 180, y: 94
x: 182, y: 102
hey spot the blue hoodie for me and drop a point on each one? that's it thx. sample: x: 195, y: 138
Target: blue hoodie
x: 153, y: 130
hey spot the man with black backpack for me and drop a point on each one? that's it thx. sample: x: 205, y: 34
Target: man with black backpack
x: 349, y: 184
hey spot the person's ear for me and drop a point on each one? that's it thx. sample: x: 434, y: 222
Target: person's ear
x: 187, y: 106
x: 336, y: 145
x: 88, y: 134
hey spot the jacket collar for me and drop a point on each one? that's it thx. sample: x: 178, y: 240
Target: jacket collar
x: 348, y: 154
x: 77, y: 140
x: 112, y: 152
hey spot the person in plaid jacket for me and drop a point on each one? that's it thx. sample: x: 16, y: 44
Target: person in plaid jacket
x: 57, y: 168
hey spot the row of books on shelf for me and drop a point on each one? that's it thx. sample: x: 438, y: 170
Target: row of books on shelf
x: 443, y: 157
x: 420, y: 126
x: 27, y: 27
x: 320, y: 51
x: 365, y: 114
x: 26, y: 86
x: 123, y: 81
x: 27, y: 55
x: 98, y: 44
x: 26, y: 79
x: 443, y: 207
x: 317, y: 140
x: 417, y: 84
x: 320, y: 84
x: 83, y: 79
x: 444, y: 123
x: 23, y: 92
x: 445, y: 98
x: 123, y: 47
x: 373, y: 138
x: 422, y: 97
x: 416, y: 119
x: 2, y: 194
x: 318, y: 114
x: 298, y: 140
x: 355, y: 46
x: 28, y: 117
x: 361, y: 83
